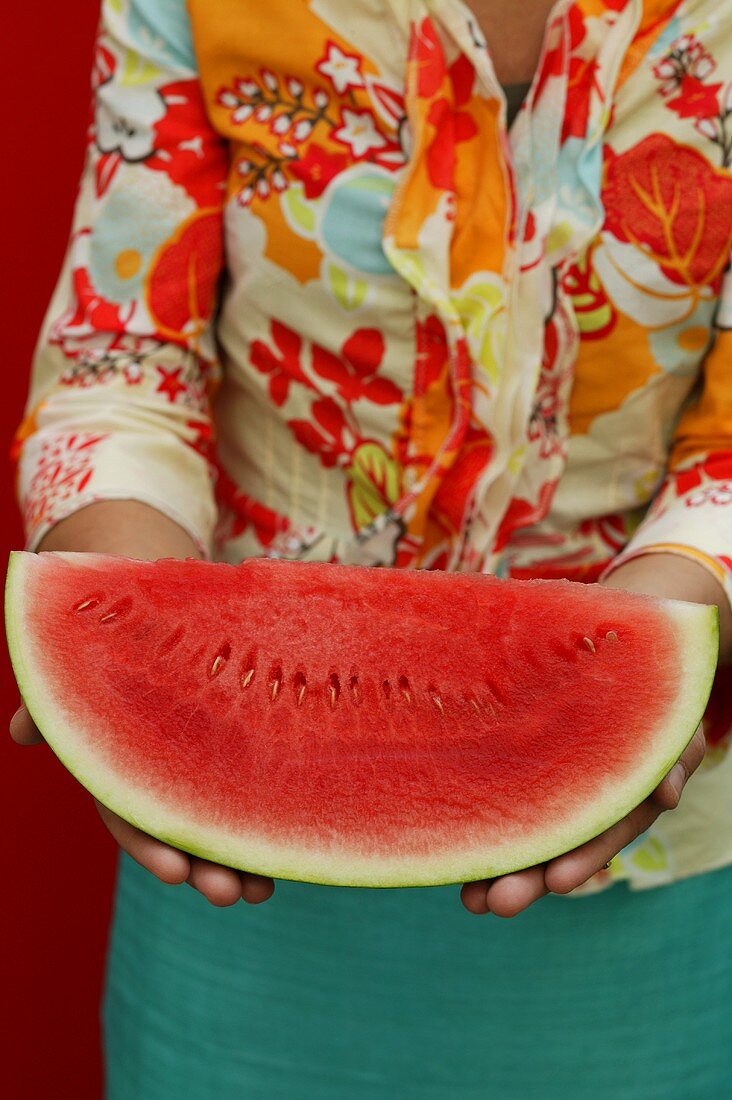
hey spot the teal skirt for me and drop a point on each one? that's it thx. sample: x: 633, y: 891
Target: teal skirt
x: 325, y: 993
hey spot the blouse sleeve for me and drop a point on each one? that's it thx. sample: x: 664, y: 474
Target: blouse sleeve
x: 125, y: 366
x: 692, y: 513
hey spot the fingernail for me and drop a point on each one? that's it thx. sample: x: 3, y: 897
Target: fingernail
x: 677, y: 779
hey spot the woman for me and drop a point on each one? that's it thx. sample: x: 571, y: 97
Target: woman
x: 474, y: 316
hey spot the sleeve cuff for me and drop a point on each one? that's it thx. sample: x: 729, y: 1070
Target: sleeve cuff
x: 61, y: 473
x: 696, y: 525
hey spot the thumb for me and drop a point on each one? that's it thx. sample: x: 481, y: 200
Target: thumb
x: 23, y: 729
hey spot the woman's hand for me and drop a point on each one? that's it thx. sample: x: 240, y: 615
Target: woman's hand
x: 673, y: 577
x: 220, y: 885
x: 138, y: 531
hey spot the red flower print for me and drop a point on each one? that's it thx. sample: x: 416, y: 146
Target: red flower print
x: 91, y: 311
x: 182, y: 283
x: 451, y: 128
x: 283, y: 368
x: 170, y: 382
x: 696, y: 99
x: 354, y: 370
x: 432, y: 352
x: 197, y: 163
x: 426, y: 50
x: 238, y: 512
x: 686, y: 480
x: 452, y: 125
x: 202, y: 437
x: 522, y: 513
x: 582, y: 80
x: 327, y: 435
x: 267, y: 523
x: 663, y: 197
x: 456, y: 491
x: 317, y: 168
x: 717, y: 467
x: 64, y: 470
x: 686, y: 58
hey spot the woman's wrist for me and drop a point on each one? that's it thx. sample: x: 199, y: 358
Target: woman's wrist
x: 126, y: 527
x: 674, y: 577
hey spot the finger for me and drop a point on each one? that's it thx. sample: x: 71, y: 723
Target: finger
x: 221, y: 886
x: 256, y: 888
x: 510, y: 895
x: 668, y: 793
x: 567, y: 872
x: 23, y: 729
x: 474, y: 896
x: 166, y: 863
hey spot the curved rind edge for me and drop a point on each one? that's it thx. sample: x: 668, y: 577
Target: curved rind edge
x: 306, y: 865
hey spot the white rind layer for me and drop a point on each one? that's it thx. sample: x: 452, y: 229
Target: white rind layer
x: 698, y: 631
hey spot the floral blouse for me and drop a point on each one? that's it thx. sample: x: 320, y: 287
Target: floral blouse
x: 320, y: 303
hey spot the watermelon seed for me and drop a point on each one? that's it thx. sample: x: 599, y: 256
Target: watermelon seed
x: 611, y: 636
x: 437, y: 701
x: 590, y: 644
x: 122, y: 607
x: 387, y: 689
x: 247, y: 678
x: 276, y: 683
x: 83, y: 605
x: 220, y: 660
x: 405, y: 688
x: 355, y: 689
x: 301, y: 687
x: 334, y: 689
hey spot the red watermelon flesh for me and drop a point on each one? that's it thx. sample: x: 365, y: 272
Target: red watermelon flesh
x: 356, y: 726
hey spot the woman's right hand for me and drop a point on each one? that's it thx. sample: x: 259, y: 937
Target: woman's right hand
x: 220, y: 885
x: 139, y: 531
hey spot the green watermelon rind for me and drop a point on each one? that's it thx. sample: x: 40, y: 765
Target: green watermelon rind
x: 340, y: 867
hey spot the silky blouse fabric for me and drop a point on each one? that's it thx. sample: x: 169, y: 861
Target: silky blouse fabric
x: 420, y: 339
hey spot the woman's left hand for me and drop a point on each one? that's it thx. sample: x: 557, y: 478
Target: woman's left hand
x: 665, y: 575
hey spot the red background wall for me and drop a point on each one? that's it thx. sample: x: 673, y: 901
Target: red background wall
x: 58, y: 861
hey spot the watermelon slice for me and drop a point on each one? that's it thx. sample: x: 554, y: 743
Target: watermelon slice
x: 356, y: 726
